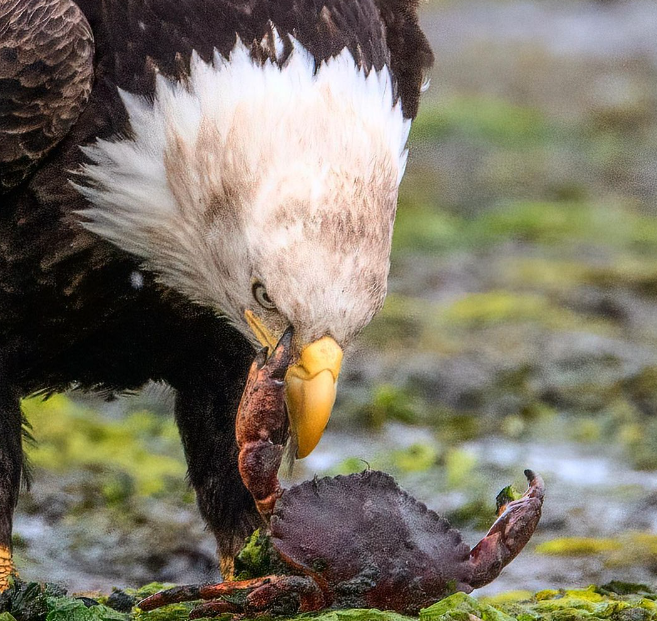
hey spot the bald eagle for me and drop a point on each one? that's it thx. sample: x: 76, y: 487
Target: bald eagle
x: 181, y: 180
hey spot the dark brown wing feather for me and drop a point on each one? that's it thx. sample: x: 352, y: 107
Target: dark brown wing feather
x: 136, y: 38
x: 46, y: 74
x: 410, y: 53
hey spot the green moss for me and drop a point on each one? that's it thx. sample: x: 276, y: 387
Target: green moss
x: 630, y: 548
x: 140, y: 454
x: 415, y: 458
x: 67, y: 609
x: 508, y: 597
x: 563, y: 222
x: 459, y: 466
x: 495, y: 307
x: 484, y: 118
x: 636, y: 548
x: 478, y: 513
x: 258, y: 558
x: 352, y: 465
x: 29, y: 601
x: 502, y: 306
x: 616, y: 601
x: 577, y: 546
x: 355, y: 615
x: 148, y: 589
x: 587, y: 430
x: 591, y: 603
x: 462, y: 607
x: 390, y: 403
x: 174, y: 612
x: 427, y: 229
x: 544, y: 273
x: 507, y: 495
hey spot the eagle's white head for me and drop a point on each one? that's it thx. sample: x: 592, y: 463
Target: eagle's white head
x: 266, y: 191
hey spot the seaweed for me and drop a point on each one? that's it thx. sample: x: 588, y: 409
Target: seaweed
x: 614, y: 601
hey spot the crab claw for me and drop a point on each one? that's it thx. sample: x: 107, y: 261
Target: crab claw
x: 261, y: 427
x: 513, y: 528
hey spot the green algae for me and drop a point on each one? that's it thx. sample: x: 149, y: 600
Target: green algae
x: 577, y: 546
x: 136, y: 455
x: 590, y: 603
x: 462, y: 607
x: 616, y: 601
x: 173, y: 612
x: 67, y: 609
x: 258, y: 558
x: 355, y: 614
x: 627, y: 549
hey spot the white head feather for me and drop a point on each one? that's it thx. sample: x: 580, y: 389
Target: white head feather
x: 248, y: 171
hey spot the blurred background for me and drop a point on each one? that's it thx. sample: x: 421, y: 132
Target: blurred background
x: 520, y: 330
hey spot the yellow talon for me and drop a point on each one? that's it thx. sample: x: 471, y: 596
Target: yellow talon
x: 6, y: 568
x: 226, y: 566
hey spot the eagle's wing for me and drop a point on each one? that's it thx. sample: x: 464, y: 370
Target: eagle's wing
x: 140, y: 38
x: 46, y: 75
x: 410, y: 53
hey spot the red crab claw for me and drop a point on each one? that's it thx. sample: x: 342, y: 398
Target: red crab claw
x: 261, y: 427
x: 511, y: 531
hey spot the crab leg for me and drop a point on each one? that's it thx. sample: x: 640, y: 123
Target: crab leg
x: 260, y: 594
x: 191, y: 592
x: 262, y: 425
x: 264, y: 597
x: 511, y: 531
x: 214, y: 609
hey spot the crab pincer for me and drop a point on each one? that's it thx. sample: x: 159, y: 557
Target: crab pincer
x: 261, y: 427
x: 516, y: 523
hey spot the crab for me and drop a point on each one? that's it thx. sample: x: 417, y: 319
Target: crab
x: 356, y: 541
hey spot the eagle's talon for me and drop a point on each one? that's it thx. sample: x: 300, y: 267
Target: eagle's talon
x: 7, y: 568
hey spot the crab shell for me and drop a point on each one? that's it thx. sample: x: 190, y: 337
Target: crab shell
x: 367, y: 543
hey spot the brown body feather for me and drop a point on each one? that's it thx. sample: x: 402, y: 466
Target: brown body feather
x: 75, y: 311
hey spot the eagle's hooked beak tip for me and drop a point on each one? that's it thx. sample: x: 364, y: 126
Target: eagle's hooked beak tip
x: 311, y: 390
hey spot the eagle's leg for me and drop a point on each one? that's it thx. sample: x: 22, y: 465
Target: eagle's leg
x: 208, y: 436
x: 209, y: 387
x: 11, y: 462
x: 262, y: 426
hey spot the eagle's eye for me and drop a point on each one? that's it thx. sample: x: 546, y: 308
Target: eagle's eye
x: 262, y: 297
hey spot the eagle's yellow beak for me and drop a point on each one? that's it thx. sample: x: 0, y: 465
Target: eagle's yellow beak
x: 310, y: 392
x: 310, y: 385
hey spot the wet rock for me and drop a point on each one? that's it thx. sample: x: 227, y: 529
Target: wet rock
x: 121, y: 601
